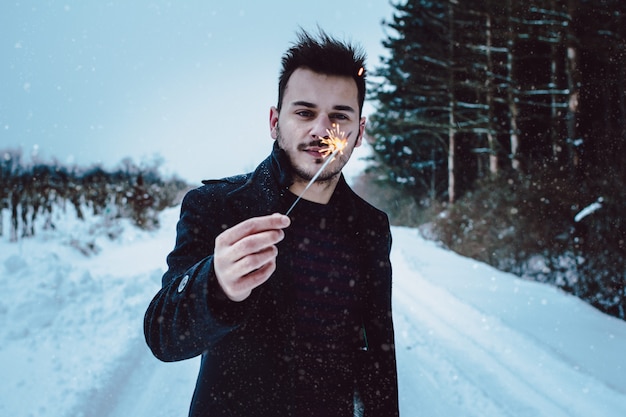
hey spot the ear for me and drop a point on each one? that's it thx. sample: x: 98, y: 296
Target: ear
x: 359, y: 138
x: 274, y: 122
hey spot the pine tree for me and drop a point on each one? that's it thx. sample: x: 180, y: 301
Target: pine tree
x: 411, y: 122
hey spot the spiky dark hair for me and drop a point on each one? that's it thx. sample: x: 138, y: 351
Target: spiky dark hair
x: 323, y: 55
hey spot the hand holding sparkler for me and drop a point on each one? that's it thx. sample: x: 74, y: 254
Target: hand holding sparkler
x: 335, y: 143
x: 245, y: 254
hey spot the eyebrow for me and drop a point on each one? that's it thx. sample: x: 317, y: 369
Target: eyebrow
x: 339, y: 107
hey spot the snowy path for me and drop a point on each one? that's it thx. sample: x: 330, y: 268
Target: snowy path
x: 468, y: 362
x: 143, y: 386
x: 454, y: 360
x: 471, y: 341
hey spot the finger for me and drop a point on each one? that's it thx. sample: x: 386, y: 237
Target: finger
x: 230, y: 273
x: 242, y: 288
x: 253, y: 262
x: 258, y: 242
x: 252, y: 226
x: 247, y: 254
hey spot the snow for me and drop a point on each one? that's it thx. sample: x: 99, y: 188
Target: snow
x: 471, y: 341
x: 591, y: 208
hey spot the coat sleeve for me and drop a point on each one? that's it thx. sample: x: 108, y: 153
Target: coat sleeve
x: 378, y: 382
x: 191, y: 313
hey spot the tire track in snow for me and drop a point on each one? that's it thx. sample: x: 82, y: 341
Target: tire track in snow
x: 433, y: 382
x: 141, y: 385
x: 494, y: 369
x: 155, y: 388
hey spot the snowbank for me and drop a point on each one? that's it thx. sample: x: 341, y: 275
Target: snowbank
x: 471, y: 341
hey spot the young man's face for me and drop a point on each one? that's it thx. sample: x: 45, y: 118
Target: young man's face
x: 312, y: 103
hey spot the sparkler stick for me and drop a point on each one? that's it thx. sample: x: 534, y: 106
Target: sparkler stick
x: 336, y: 143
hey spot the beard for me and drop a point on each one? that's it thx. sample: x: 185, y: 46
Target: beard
x: 328, y: 174
x: 304, y: 174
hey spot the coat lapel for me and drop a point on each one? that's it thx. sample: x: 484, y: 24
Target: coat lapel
x: 261, y: 193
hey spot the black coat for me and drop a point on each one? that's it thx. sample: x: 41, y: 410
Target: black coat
x: 246, y: 348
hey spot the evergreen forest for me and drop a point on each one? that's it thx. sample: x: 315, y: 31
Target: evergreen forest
x: 500, y: 130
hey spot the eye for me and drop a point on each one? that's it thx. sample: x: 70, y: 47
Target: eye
x: 305, y: 113
x: 339, y: 116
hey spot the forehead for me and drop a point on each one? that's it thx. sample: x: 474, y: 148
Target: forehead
x: 307, y: 85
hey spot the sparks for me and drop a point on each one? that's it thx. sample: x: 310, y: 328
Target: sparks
x: 335, y: 143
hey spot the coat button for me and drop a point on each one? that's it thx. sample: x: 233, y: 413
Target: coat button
x: 183, y: 283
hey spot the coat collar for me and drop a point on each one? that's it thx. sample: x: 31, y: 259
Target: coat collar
x: 263, y: 190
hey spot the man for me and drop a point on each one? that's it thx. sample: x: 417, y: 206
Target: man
x: 292, y: 315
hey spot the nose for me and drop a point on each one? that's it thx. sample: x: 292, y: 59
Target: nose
x: 321, y: 127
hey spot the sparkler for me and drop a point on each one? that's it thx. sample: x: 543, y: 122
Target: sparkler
x: 335, y: 143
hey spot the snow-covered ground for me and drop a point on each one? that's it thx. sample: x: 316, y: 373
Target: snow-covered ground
x: 471, y: 341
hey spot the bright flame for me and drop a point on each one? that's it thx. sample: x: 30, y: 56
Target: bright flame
x: 336, y: 141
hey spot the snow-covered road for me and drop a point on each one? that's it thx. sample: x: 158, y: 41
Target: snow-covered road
x: 471, y: 341
x: 472, y: 347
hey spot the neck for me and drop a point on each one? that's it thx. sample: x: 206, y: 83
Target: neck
x: 319, y: 192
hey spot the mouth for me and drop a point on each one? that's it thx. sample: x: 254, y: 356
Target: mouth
x: 315, y: 149
x: 315, y: 152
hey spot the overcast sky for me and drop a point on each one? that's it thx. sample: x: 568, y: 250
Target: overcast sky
x: 190, y: 81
